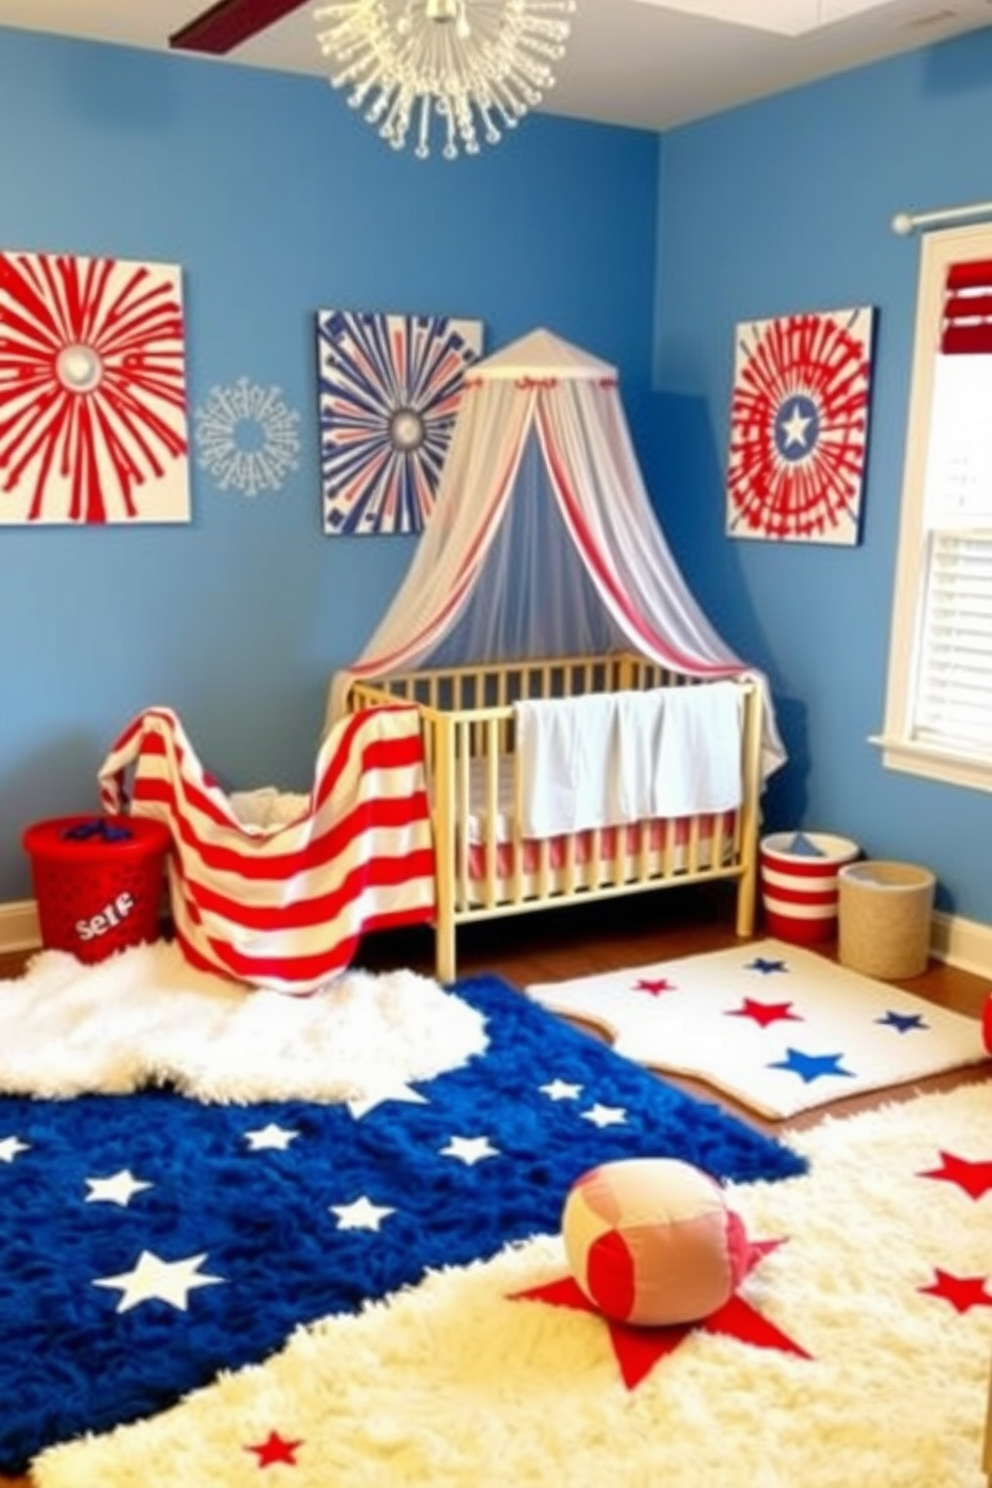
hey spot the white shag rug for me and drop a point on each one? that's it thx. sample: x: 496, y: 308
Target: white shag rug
x: 453, y: 1384
x: 778, y: 1027
x: 145, y: 1016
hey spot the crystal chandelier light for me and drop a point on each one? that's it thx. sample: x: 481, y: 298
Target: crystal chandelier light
x: 466, y: 68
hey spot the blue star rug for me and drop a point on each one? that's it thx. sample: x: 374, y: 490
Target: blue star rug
x: 150, y: 1241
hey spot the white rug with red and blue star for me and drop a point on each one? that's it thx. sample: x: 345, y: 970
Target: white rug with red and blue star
x: 775, y: 1026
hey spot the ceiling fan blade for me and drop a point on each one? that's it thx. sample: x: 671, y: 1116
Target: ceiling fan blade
x: 230, y: 22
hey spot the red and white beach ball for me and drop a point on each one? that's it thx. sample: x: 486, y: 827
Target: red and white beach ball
x: 652, y: 1241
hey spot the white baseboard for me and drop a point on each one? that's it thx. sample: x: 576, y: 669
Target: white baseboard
x: 966, y: 944
x: 19, y: 930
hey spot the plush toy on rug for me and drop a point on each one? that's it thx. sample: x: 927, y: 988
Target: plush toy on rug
x: 651, y: 1241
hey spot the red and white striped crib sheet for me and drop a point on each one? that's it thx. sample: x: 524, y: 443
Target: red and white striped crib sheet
x: 666, y: 842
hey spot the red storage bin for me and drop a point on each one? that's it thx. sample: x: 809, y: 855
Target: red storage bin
x: 98, y: 881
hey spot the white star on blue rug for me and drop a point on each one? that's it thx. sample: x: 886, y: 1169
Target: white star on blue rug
x: 156, y: 1280
x: 361, y: 1105
x: 601, y: 1115
x: 272, y: 1138
x: 557, y: 1090
x: 811, y: 1067
x: 362, y: 1214
x: 120, y: 1188
x: 470, y: 1149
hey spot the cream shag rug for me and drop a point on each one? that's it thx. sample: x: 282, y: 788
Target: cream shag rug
x: 778, y: 1027
x: 145, y: 1016
x: 883, y: 1279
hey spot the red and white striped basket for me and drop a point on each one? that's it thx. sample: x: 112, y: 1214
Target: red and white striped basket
x: 799, y: 887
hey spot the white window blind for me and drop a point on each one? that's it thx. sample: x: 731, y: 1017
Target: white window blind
x: 954, y: 701
x: 954, y: 680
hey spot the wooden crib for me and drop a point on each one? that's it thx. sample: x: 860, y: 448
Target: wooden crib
x: 485, y: 866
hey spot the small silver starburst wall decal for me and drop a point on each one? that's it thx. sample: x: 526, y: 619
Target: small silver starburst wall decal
x: 247, y: 437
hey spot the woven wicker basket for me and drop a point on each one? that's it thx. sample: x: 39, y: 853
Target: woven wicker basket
x: 885, y: 912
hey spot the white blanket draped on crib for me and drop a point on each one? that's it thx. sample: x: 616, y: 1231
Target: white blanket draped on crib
x: 607, y: 759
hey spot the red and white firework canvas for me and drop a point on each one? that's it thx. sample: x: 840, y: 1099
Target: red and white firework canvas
x: 799, y: 427
x: 92, y: 391
x: 390, y: 386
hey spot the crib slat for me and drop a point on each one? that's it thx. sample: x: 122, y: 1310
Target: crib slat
x: 490, y: 741
x: 747, y: 839
x: 504, y: 700
x: 643, y: 851
x: 463, y: 816
x: 591, y: 866
x: 445, y: 832
x: 668, y: 852
x: 610, y: 866
x: 516, y: 842
x: 692, y: 865
x: 569, y: 865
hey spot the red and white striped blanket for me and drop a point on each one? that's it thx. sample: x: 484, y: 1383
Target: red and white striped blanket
x: 285, y: 907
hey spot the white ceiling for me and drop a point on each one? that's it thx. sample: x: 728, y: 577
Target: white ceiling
x: 648, y: 63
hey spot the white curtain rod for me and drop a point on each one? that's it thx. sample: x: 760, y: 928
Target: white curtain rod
x: 904, y: 223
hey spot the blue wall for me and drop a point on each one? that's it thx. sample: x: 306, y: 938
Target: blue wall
x: 785, y: 206
x: 276, y: 201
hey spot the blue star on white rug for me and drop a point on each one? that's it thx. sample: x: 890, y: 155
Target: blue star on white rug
x: 777, y: 1027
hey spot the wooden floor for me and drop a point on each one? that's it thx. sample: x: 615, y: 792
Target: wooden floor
x: 607, y: 936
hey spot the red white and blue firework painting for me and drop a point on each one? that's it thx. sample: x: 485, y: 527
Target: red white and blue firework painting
x: 390, y: 386
x: 92, y: 391
x: 799, y: 427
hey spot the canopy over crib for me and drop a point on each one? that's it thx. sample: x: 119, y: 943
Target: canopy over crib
x: 543, y: 541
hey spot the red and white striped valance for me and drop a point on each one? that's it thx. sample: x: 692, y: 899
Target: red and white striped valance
x: 966, y: 326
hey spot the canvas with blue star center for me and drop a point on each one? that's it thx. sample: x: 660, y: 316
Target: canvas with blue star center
x: 799, y: 426
x: 777, y: 1027
x: 150, y: 1241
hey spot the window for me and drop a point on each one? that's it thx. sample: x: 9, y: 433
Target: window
x: 938, y: 718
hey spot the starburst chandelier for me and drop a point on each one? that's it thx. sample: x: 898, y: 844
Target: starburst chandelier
x: 464, y: 69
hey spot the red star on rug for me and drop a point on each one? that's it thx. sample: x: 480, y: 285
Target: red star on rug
x: 963, y: 1292
x: 638, y: 1349
x: 276, y: 1449
x: 765, y: 1013
x: 974, y: 1177
x: 654, y: 986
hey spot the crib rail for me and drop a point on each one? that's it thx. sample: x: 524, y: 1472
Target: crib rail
x: 485, y: 867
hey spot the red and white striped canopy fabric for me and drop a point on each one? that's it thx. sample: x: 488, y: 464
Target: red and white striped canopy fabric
x: 543, y: 540
x: 285, y: 907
